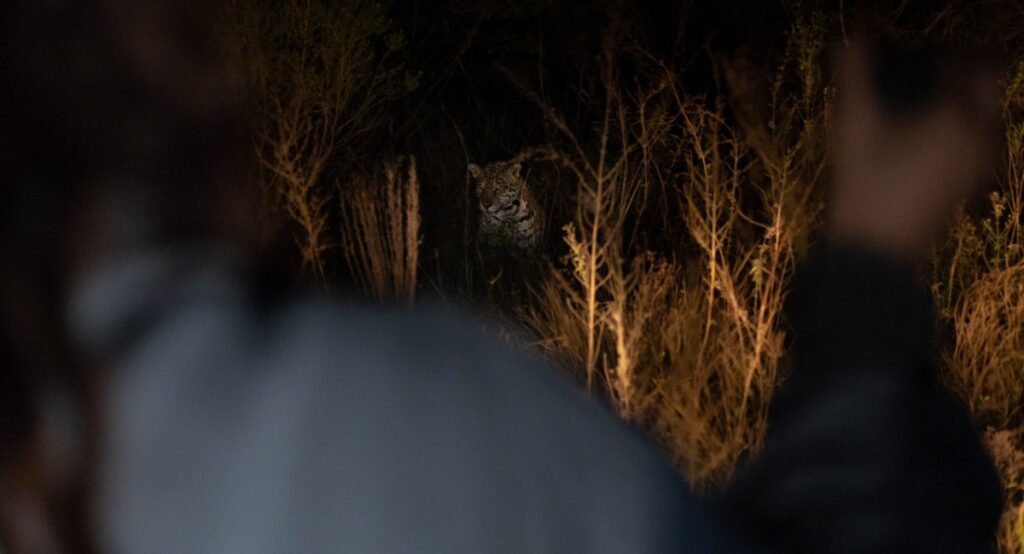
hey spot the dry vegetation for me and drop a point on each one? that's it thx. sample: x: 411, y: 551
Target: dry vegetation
x: 689, y: 345
x: 685, y: 340
x: 978, y: 286
x: 380, y: 232
x: 319, y: 87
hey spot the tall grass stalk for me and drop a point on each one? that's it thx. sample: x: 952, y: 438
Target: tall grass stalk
x: 606, y: 189
x: 691, y: 346
x: 380, y: 232
x: 321, y: 84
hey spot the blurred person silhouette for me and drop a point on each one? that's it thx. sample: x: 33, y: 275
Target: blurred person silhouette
x: 160, y: 392
x: 865, y: 453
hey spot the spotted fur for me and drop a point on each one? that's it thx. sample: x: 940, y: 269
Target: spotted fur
x: 509, y: 216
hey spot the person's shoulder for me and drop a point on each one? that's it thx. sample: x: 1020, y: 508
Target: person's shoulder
x: 395, y: 337
x: 360, y: 400
x: 443, y: 384
x: 457, y: 354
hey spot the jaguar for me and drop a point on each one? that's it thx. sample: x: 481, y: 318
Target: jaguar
x: 509, y: 215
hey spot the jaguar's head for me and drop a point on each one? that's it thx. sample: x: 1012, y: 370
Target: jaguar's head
x: 498, y: 186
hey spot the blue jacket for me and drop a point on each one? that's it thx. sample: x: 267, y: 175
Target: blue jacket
x: 314, y: 426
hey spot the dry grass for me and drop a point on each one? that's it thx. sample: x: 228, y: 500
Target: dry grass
x: 598, y: 308
x: 380, y: 232
x: 723, y: 335
x: 690, y: 345
x: 321, y: 85
x: 987, y: 362
x: 1007, y: 449
x: 978, y: 285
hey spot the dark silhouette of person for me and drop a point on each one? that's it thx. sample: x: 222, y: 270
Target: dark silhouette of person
x: 865, y: 453
x: 160, y: 394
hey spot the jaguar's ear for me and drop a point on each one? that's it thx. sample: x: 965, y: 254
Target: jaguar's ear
x: 513, y: 169
x: 474, y: 171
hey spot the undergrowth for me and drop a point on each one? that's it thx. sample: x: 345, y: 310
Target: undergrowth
x: 682, y: 186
